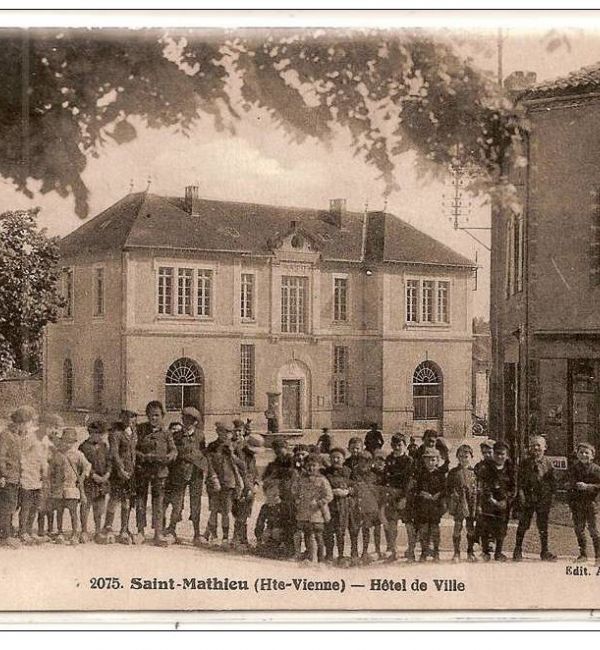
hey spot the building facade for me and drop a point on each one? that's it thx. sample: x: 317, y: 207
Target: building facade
x: 545, y: 316
x: 346, y: 318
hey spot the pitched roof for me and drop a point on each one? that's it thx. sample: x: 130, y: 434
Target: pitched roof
x: 149, y: 221
x: 584, y: 80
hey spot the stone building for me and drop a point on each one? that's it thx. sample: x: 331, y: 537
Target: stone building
x: 346, y: 317
x: 546, y: 273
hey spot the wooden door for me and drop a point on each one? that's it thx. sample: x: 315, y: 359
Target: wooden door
x: 290, y: 404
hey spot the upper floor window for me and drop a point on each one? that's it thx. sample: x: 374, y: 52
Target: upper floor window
x: 294, y: 304
x: 98, y: 385
x: 247, y: 296
x: 191, y: 296
x: 246, y: 375
x: 98, y: 291
x: 514, y: 255
x: 340, y: 299
x: 68, y: 292
x: 340, y: 375
x: 427, y: 301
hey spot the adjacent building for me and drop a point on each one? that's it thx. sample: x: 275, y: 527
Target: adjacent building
x: 545, y: 316
x: 344, y: 318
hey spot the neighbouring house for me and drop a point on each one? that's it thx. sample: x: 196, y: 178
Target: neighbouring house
x: 339, y: 318
x: 545, y: 317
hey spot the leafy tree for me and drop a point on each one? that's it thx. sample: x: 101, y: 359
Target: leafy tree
x: 65, y: 93
x: 29, y: 296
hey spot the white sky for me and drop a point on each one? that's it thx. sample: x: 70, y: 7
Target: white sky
x: 258, y: 165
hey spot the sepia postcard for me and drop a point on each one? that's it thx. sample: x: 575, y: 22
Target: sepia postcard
x: 299, y: 311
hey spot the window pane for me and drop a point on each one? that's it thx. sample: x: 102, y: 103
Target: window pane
x: 247, y: 375
x: 294, y: 301
x: 184, y: 291
x: 173, y: 397
x: 247, y: 296
x: 427, y: 301
x: 98, y: 292
x: 204, y: 292
x: 442, y: 302
x: 340, y: 299
x: 165, y: 290
x: 412, y: 301
x: 190, y: 396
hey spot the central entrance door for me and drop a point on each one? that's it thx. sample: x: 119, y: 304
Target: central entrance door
x: 290, y: 403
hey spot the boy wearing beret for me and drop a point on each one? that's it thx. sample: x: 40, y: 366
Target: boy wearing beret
x: 536, y: 487
x: 584, y: 488
x: 461, y: 493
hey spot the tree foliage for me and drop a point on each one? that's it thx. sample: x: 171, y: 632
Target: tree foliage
x: 29, y: 291
x: 66, y: 93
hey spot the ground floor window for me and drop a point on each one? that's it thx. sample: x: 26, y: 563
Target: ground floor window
x: 585, y: 399
x: 98, y: 385
x: 183, y: 385
x: 68, y: 383
x: 427, y: 392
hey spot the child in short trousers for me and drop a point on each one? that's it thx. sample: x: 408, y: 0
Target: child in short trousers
x: 461, y: 492
x: 96, y: 485
x: 338, y: 476
x: 312, y: 495
x: 267, y: 530
x: 50, y: 427
x: 364, y: 506
x: 584, y: 490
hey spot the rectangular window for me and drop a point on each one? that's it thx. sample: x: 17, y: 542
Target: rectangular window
x: 340, y: 375
x: 247, y: 296
x: 165, y: 290
x: 68, y: 294
x: 247, y: 376
x: 510, y: 258
x: 443, y: 290
x: 427, y: 301
x: 204, y: 292
x: 185, y: 277
x: 98, y: 292
x: 519, y: 257
x: 294, y: 304
x: 412, y: 301
x: 340, y: 299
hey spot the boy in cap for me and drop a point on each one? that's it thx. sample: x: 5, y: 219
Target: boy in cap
x: 281, y: 469
x: 461, y: 491
x: 338, y: 476
x: 398, y: 470
x: 242, y: 504
x: 122, y: 442
x: 68, y: 469
x: 23, y: 422
x: 154, y: 451
x: 187, y: 471
x: 267, y: 529
x: 225, y: 481
x: 427, y: 497
x: 487, y: 453
x: 299, y: 454
x: 96, y: 486
x: 312, y: 495
x: 324, y: 441
x: 373, y: 438
x: 496, y: 491
x: 50, y: 427
x: 364, y: 506
x: 432, y: 440
x: 536, y: 487
x: 584, y: 488
x: 355, y: 449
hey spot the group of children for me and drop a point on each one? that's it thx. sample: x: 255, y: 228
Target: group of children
x: 315, y: 498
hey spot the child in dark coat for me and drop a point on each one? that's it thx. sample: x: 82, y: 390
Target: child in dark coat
x: 536, y: 487
x: 338, y: 476
x: 364, y: 506
x: 461, y: 492
x: 584, y: 490
x: 427, y: 496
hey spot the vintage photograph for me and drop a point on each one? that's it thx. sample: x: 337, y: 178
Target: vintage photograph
x: 303, y: 316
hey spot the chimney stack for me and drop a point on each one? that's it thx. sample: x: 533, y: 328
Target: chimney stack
x: 337, y: 210
x: 192, y: 202
x: 519, y: 81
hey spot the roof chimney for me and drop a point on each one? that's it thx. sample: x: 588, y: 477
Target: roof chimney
x: 192, y: 202
x: 337, y: 210
x: 518, y: 81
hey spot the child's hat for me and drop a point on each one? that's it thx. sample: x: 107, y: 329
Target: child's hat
x: 431, y: 452
x: 466, y: 448
x: 69, y: 435
x: 98, y: 426
x: 500, y: 445
x: 52, y: 420
x: 338, y: 450
x: 193, y: 412
x: 355, y: 440
x: 23, y: 414
x: 398, y: 437
x: 238, y: 424
x: 585, y: 445
x: 255, y: 440
x: 486, y: 444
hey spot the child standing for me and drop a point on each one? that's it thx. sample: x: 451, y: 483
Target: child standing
x: 67, y: 468
x: 242, y: 505
x: 312, y: 495
x: 338, y: 476
x: 378, y: 469
x: 122, y: 442
x: 355, y: 449
x: 267, y: 529
x: 536, y: 487
x: 398, y: 470
x: 584, y: 488
x: 373, y: 438
x: 96, y: 485
x: 34, y: 467
x: 427, y: 497
x: 11, y: 448
x: 461, y: 489
x: 364, y: 505
x: 496, y: 488
x: 50, y: 427
x: 324, y: 441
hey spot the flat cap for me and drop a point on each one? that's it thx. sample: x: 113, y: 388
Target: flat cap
x: 193, y: 412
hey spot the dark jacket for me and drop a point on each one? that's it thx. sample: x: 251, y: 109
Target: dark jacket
x: 98, y: 456
x: 398, y: 470
x: 11, y: 445
x: 537, y: 482
x: 590, y: 474
x: 282, y: 470
x: 461, y: 492
x: 226, y: 469
x: 373, y: 440
x: 190, y: 456
x: 427, y: 510
x: 497, y: 484
x: 122, y: 450
x: 154, y: 451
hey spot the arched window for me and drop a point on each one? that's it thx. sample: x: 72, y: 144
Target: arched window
x: 68, y: 383
x: 183, y: 385
x: 427, y: 392
x: 98, y: 385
